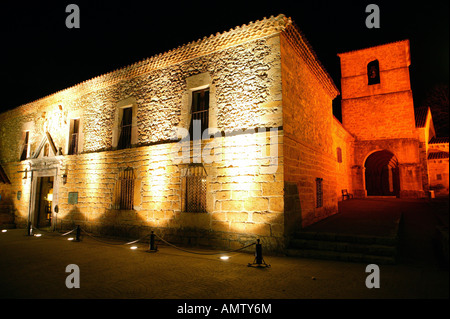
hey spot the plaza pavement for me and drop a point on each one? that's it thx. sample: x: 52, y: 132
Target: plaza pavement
x: 35, y: 267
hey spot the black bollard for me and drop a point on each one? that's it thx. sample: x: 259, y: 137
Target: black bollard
x: 153, y: 247
x: 29, y: 229
x: 258, y: 253
x: 259, y: 260
x: 77, y: 237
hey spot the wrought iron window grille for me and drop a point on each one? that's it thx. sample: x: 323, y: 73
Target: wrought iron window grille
x: 195, y: 193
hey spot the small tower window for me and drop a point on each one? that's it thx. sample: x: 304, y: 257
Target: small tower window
x: 373, y: 72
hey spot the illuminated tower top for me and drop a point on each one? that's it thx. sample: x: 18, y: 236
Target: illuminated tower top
x: 376, y: 92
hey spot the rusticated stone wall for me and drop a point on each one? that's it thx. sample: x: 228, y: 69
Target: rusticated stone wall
x: 244, y: 186
x: 247, y: 89
x: 343, y: 140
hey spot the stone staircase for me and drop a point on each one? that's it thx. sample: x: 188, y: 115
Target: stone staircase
x: 344, y: 247
x: 365, y: 232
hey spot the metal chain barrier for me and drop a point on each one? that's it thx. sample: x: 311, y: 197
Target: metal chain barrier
x: 201, y: 253
x: 69, y: 232
x: 258, y: 259
x: 109, y: 243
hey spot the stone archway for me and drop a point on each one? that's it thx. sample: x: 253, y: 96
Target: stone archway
x: 382, y: 174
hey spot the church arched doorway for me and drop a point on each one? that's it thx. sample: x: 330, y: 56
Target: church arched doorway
x: 382, y: 174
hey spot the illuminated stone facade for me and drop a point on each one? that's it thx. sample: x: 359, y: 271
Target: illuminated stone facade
x: 278, y: 162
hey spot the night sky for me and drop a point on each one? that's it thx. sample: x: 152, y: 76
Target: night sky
x: 41, y: 56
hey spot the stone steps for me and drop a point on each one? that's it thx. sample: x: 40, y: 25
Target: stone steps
x: 344, y: 247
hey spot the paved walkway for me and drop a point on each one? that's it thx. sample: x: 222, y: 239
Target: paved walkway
x: 34, y: 267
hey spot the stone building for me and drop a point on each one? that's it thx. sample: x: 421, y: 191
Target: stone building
x: 438, y: 165
x: 217, y: 142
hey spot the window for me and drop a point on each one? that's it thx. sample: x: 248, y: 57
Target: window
x: 195, y: 189
x: 199, y: 113
x: 124, y: 192
x: 438, y: 177
x: 74, y: 136
x: 319, y: 193
x: 24, y: 154
x: 125, y: 128
x: 373, y: 72
x: 339, y: 155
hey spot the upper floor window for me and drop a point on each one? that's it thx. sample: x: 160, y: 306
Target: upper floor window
x: 373, y: 72
x: 199, y: 113
x: 74, y: 136
x: 25, y: 148
x: 124, y: 132
x: 125, y: 128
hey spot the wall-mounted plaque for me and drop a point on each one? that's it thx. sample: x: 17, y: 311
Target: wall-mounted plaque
x: 73, y: 198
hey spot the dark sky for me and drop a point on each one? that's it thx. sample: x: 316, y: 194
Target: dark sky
x: 41, y: 56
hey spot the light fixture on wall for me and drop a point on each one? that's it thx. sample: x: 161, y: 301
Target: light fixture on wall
x: 64, y: 178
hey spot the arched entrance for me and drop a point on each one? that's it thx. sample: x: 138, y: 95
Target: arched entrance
x: 382, y: 174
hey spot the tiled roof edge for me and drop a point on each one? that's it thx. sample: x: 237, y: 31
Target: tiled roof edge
x: 257, y: 29
x: 299, y: 42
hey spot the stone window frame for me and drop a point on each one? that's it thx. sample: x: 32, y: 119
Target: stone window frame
x: 118, y: 114
x: 194, y: 83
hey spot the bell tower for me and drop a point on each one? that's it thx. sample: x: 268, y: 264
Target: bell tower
x: 378, y: 109
x: 377, y: 101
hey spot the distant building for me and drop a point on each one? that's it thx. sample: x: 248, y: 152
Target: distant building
x: 106, y: 153
x: 391, y: 145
